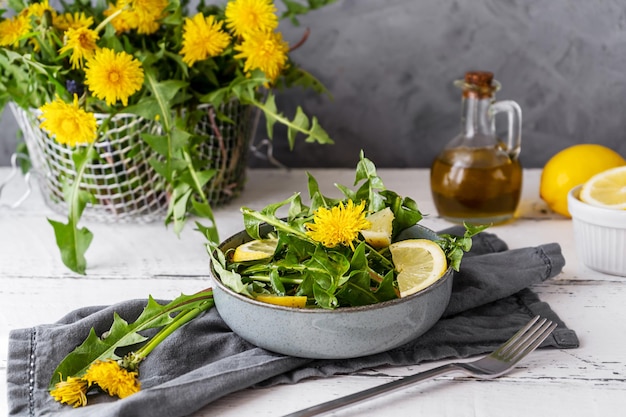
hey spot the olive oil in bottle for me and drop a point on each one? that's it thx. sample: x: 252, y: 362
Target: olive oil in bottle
x: 476, y: 185
x: 477, y: 178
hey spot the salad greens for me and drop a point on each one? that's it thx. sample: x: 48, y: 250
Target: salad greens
x: 351, y: 274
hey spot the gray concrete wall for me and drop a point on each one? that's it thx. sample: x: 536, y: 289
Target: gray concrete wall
x: 390, y: 64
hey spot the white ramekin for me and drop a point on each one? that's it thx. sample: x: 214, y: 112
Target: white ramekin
x: 600, y: 235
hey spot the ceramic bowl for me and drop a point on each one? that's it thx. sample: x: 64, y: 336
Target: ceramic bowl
x: 600, y: 235
x: 345, y: 332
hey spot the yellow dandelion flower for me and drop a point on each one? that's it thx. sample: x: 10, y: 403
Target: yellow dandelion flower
x: 265, y: 51
x: 203, y: 37
x: 245, y: 16
x: 72, y: 391
x: 113, y: 76
x: 68, y: 123
x: 339, y: 225
x: 67, y: 21
x: 141, y: 15
x: 12, y: 29
x: 147, y: 14
x: 39, y: 9
x: 121, y: 22
x: 82, y: 43
x: 112, y: 378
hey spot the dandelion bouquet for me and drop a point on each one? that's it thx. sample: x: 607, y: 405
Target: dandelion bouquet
x: 154, y: 59
x: 98, y: 364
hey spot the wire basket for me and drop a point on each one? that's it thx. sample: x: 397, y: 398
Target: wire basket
x: 222, y: 145
x: 125, y: 186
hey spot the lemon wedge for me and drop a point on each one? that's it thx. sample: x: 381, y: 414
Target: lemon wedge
x: 379, y: 234
x: 419, y: 262
x: 255, y: 250
x: 284, y: 300
x: 606, y: 189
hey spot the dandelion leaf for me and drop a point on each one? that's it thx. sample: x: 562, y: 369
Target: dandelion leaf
x: 73, y: 244
x: 301, y: 123
x: 271, y: 113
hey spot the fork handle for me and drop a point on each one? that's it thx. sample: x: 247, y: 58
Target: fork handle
x: 375, y: 391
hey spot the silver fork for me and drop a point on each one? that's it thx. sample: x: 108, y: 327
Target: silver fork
x: 496, y: 364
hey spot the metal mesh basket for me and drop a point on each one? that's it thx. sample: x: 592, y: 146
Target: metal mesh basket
x: 223, y: 146
x: 121, y: 179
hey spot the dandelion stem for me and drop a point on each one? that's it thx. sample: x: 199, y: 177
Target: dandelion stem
x: 265, y: 278
x: 185, y: 316
x: 277, y: 223
x: 108, y: 19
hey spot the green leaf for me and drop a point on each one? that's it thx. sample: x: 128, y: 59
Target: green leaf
x: 301, y: 123
x: 209, y: 232
x: 253, y: 219
x: 180, y: 140
x: 317, y: 198
x: 324, y: 297
x: 317, y: 133
x: 455, y: 246
x: 356, y: 291
x: 297, y: 209
x: 366, y: 171
x: 313, y: 132
x: 165, y: 91
x: 405, y: 210
x: 177, y: 210
x: 198, y: 179
x: 328, y: 270
x: 277, y: 284
x: 158, y: 143
x: 204, y: 210
x: 387, y: 288
x: 72, y: 241
x: 148, y: 108
x: 73, y: 244
x: 270, y: 111
x: 162, y: 169
x: 229, y: 278
x: 312, y: 185
x: 294, y: 8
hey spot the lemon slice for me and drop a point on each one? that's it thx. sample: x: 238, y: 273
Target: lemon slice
x: 379, y: 234
x: 419, y: 262
x: 255, y: 250
x: 606, y: 189
x: 285, y: 300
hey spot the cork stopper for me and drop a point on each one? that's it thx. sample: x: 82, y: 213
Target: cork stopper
x: 479, y: 78
x: 478, y: 84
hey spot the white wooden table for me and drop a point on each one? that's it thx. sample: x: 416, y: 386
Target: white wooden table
x: 131, y: 261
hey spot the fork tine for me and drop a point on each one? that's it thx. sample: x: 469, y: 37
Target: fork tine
x: 526, y: 340
x: 515, y: 338
x: 522, y: 335
x: 531, y: 344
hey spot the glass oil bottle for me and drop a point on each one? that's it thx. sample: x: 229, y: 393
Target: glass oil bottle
x: 477, y: 178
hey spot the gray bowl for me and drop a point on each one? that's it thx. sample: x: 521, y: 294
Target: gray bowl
x: 346, y: 332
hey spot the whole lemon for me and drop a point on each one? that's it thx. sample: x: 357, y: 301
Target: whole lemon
x: 571, y: 167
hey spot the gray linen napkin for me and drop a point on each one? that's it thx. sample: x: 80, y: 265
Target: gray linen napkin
x: 205, y: 360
